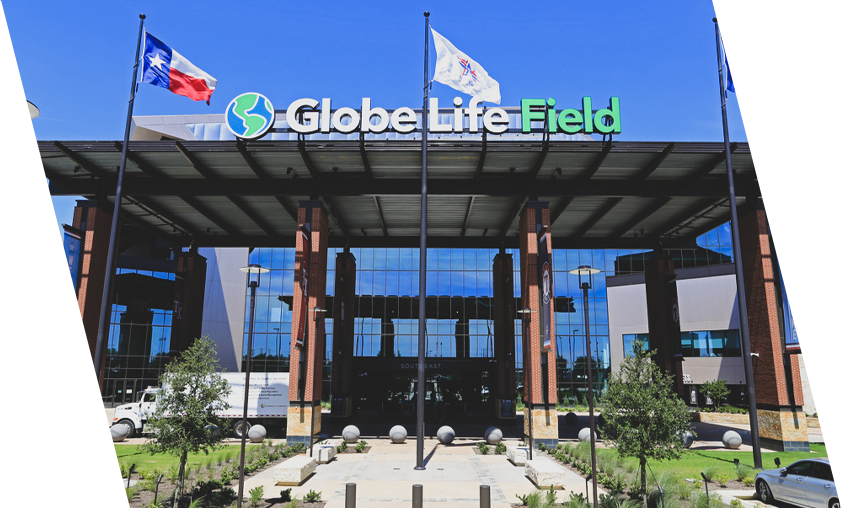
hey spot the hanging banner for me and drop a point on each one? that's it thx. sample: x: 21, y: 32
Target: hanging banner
x: 545, y: 287
x: 305, y: 273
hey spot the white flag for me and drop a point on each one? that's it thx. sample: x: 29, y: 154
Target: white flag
x: 458, y: 71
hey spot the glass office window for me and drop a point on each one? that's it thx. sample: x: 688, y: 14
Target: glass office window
x: 628, y: 342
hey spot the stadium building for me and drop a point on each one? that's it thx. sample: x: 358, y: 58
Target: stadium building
x: 331, y: 202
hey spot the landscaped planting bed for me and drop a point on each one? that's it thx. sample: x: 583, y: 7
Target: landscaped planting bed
x: 212, y: 477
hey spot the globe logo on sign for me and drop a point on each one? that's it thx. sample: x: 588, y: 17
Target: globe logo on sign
x: 249, y: 116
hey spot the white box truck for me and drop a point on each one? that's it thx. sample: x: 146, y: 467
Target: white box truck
x: 268, y: 401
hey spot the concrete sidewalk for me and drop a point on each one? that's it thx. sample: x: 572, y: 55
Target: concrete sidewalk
x: 385, y: 475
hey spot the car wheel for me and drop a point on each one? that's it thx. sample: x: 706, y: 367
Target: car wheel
x: 130, y: 425
x: 238, y: 429
x: 763, y: 492
x: 834, y: 503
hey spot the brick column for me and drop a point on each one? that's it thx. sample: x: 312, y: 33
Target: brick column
x: 95, y: 224
x: 781, y: 421
x: 664, y: 318
x: 504, y: 385
x: 344, y: 311
x: 538, y: 359
x: 307, y: 358
x: 188, y: 300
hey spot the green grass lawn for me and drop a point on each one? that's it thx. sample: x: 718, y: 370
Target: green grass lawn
x: 695, y: 461
x: 133, y: 454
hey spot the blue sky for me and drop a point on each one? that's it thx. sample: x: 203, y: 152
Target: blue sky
x: 659, y: 57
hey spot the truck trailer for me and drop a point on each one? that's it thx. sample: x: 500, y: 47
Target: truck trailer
x: 268, y: 402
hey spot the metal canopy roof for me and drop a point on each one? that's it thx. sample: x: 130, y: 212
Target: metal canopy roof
x: 231, y: 193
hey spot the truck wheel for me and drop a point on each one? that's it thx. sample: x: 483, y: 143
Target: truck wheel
x: 238, y: 429
x: 129, y: 424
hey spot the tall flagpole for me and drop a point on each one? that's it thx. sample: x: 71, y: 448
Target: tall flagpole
x: 422, y: 274
x: 105, y: 308
x: 745, y: 338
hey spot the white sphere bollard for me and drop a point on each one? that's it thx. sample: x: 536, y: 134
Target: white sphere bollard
x: 119, y: 432
x: 687, y: 439
x: 446, y: 435
x: 397, y: 434
x: 351, y: 433
x: 257, y: 433
x: 493, y: 435
x: 732, y: 440
x: 585, y: 434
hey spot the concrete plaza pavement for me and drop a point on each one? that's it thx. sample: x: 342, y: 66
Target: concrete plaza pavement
x: 385, y: 476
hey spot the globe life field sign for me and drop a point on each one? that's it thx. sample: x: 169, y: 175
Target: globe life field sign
x: 248, y: 117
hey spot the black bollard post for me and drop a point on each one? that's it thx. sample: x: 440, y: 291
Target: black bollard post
x: 157, y: 484
x: 484, y: 496
x: 350, y: 495
x: 417, y: 496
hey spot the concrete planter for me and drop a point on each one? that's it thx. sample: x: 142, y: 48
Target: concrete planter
x: 545, y: 473
x: 720, y: 418
x: 516, y: 454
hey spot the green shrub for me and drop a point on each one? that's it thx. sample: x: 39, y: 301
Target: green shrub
x: 500, y: 449
x: 359, y: 448
x: 131, y: 492
x: 551, y: 497
x: 342, y: 446
x: 577, y: 500
x: 286, y: 495
x: 532, y: 500
x: 735, y: 503
x: 483, y: 448
x: 745, y: 472
x: 715, y: 390
x: 313, y: 496
x: 256, y: 495
x: 293, y: 503
x: 542, y: 447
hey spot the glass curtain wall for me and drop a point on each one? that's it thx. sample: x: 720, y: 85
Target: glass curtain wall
x: 459, y: 281
x: 139, y: 333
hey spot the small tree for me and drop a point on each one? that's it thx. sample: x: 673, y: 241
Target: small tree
x: 716, y: 390
x: 184, y: 421
x: 644, y: 418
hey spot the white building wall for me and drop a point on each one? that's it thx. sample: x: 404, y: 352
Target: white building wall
x: 626, y: 315
x: 223, y: 315
x: 705, y: 303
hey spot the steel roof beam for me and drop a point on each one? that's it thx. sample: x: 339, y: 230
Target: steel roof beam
x: 716, y: 186
x: 640, y: 216
x: 246, y: 155
x: 656, y: 162
x: 597, y: 162
x: 481, y: 162
x: 242, y: 147
x: 467, y: 216
x: 699, y: 211
x: 210, y: 215
x: 504, y: 229
x: 196, y: 163
x: 714, y: 161
x: 380, y: 214
x: 596, y: 217
x: 302, y: 149
x: 364, y: 157
x: 331, y: 209
x: 467, y: 242
x: 81, y: 161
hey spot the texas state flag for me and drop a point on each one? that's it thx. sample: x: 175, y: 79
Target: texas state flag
x: 165, y: 67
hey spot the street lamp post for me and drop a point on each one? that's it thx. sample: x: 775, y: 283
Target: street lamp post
x: 527, y: 381
x: 586, y: 284
x: 253, y: 271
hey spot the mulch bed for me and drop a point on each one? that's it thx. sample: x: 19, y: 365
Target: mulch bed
x: 143, y: 498
x: 490, y: 451
x: 352, y: 451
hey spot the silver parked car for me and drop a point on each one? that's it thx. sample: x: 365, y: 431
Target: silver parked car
x: 808, y: 483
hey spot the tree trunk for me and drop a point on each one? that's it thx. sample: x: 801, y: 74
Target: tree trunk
x: 643, y: 481
x: 179, y: 487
